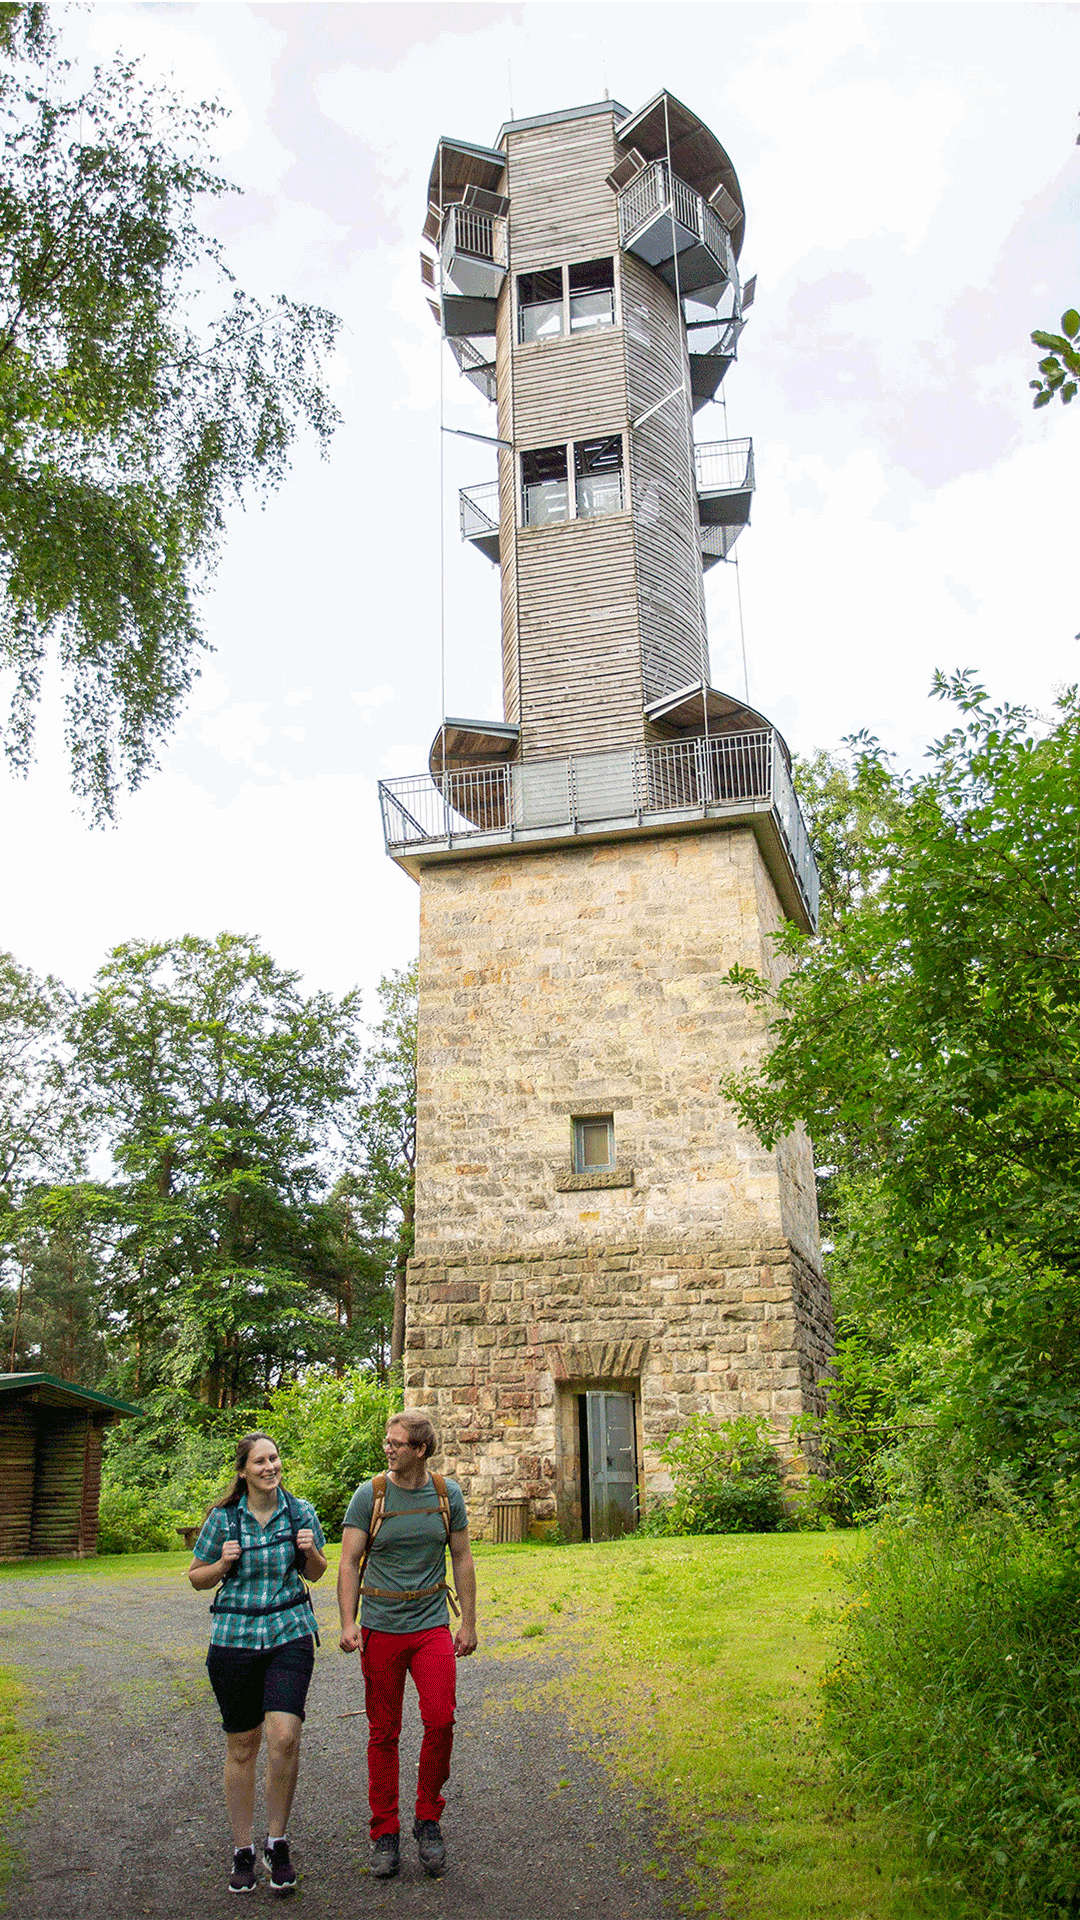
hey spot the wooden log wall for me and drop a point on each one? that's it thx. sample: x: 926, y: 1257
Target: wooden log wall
x: 18, y: 1438
x: 67, y: 1479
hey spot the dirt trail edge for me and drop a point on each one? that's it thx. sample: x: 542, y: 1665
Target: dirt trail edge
x: 129, y: 1818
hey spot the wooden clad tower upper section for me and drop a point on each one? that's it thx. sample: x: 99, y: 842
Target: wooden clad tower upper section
x: 584, y: 273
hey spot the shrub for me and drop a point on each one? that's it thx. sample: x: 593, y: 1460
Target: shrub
x: 955, y: 1696
x: 726, y: 1478
x: 178, y: 1459
x: 133, y: 1521
x: 330, y: 1433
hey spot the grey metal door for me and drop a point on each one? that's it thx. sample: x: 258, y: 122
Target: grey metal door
x: 612, y: 1465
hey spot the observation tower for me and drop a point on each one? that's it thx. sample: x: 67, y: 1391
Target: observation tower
x: 600, y: 1250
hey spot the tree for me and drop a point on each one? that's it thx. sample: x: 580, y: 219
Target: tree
x: 125, y: 427
x: 1060, y: 370
x: 386, y: 1128
x: 43, y: 1136
x: 851, y: 802
x: 219, y: 1087
x: 931, y: 1043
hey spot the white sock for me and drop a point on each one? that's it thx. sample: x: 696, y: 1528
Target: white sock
x: 273, y: 1838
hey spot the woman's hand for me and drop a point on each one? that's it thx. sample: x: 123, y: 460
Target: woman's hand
x: 230, y: 1553
x: 305, y: 1539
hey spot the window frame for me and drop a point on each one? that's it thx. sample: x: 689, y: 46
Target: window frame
x: 578, y: 1123
x: 574, y: 482
x: 567, y: 330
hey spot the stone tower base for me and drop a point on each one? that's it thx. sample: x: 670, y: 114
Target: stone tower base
x: 500, y: 1348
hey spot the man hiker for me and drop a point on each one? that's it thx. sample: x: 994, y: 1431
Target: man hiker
x: 393, y: 1566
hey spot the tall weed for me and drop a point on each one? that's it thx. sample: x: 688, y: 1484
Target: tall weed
x: 955, y: 1699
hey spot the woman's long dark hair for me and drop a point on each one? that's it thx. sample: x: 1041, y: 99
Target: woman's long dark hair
x: 239, y: 1485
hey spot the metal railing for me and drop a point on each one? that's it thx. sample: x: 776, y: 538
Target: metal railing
x: 479, y: 509
x: 724, y: 466
x: 580, y: 790
x: 481, y: 234
x: 653, y: 192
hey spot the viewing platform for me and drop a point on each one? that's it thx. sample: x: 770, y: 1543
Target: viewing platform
x: 720, y: 780
x: 723, y: 478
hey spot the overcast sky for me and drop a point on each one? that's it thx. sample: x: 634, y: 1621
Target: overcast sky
x: 911, y: 186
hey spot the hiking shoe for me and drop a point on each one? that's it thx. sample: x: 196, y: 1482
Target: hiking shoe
x: 282, y: 1871
x: 431, y: 1847
x: 385, y: 1856
x: 242, y: 1878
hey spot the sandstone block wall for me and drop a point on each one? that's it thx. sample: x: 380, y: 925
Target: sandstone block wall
x: 590, y: 980
x: 499, y: 1348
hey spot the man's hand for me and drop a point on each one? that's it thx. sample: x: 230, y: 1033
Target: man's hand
x: 350, y: 1640
x: 465, y: 1642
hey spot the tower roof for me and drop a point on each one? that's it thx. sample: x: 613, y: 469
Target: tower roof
x: 696, y: 154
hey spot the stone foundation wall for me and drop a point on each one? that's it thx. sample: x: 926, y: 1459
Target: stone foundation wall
x: 498, y: 1349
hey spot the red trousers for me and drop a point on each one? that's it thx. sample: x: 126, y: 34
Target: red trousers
x: 386, y: 1659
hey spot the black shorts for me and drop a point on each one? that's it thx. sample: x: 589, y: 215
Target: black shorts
x: 250, y: 1685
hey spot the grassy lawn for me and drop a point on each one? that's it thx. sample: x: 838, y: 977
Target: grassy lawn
x: 15, y: 1757
x: 697, y: 1664
x: 690, y: 1667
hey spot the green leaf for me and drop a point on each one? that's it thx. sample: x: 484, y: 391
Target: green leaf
x: 1070, y: 323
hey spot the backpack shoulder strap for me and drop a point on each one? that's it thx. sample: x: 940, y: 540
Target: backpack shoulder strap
x: 295, y: 1513
x: 444, y: 1508
x: 378, y: 1488
x: 444, y: 1502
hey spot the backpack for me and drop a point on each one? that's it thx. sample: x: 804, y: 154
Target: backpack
x: 292, y: 1508
x: 379, y: 1516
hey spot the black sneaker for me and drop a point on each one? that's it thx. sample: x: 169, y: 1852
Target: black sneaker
x: 385, y: 1856
x: 282, y: 1871
x: 431, y: 1847
x: 242, y: 1878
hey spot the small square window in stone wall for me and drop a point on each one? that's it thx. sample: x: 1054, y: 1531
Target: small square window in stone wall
x: 594, y: 1143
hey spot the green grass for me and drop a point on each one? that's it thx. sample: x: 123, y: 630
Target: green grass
x: 104, y: 1566
x: 16, y: 1747
x: 696, y: 1676
x: 690, y: 1669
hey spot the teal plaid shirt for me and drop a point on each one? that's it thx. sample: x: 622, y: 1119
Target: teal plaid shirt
x: 266, y: 1574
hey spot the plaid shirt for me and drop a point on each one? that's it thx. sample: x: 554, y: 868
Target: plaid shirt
x: 266, y: 1574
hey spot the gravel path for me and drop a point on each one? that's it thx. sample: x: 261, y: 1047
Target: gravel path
x: 129, y: 1818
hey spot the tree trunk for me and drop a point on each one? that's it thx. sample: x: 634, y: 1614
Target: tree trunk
x: 397, y: 1336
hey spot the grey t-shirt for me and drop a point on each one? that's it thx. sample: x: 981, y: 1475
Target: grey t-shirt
x: 407, y: 1552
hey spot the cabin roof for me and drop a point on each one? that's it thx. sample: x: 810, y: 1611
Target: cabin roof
x: 45, y: 1390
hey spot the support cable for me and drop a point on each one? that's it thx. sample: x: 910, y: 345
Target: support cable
x: 442, y: 486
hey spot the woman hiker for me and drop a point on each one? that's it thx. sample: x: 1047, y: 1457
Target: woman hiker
x: 407, y: 1518
x: 255, y: 1546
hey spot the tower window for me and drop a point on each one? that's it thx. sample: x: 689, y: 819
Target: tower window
x: 556, y: 300
x: 598, y: 475
x: 594, y: 1143
x: 592, y: 295
x: 540, y: 304
x: 596, y: 467
x: 545, y: 487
